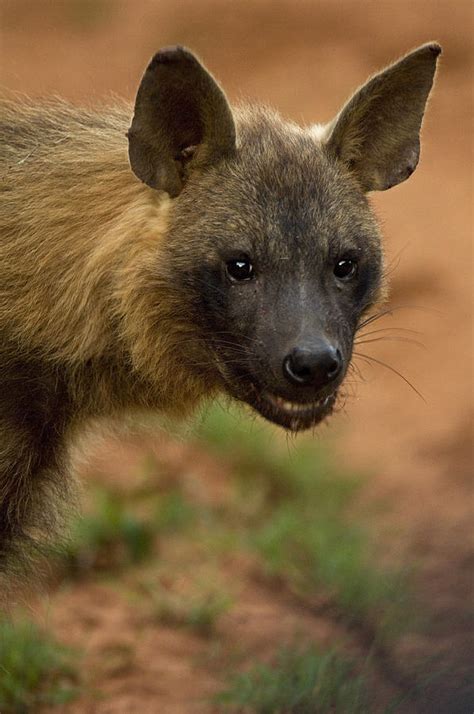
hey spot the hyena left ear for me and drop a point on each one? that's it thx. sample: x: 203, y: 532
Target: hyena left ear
x: 376, y: 134
x: 182, y: 121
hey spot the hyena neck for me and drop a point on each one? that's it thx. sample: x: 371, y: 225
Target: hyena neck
x: 94, y: 296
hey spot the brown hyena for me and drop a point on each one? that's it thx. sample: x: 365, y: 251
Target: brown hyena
x: 242, y: 261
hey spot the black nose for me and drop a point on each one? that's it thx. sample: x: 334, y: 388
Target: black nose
x: 314, y: 366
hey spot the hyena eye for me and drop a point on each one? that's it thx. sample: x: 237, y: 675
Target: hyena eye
x: 345, y: 269
x: 239, y: 269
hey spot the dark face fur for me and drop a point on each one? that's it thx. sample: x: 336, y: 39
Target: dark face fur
x: 271, y: 243
x: 278, y: 252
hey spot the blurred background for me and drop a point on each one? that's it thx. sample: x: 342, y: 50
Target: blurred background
x: 221, y: 566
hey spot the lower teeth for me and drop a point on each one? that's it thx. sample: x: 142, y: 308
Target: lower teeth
x: 295, y: 407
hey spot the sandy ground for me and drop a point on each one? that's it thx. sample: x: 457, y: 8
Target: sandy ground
x: 305, y: 58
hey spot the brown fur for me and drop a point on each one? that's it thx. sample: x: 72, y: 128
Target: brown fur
x: 78, y: 320
x: 93, y: 322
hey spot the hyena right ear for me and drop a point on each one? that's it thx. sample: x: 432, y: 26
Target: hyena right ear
x: 376, y: 135
x: 182, y: 121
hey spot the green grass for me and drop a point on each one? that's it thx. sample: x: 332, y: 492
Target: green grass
x: 278, y: 470
x: 173, y: 513
x: 297, y: 508
x: 302, y: 681
x: 34, y: 669
x: 297, y: 512
x: 110, y: 537
x: 120, y: 531
x: 199, y: 612
x: 315, y: 551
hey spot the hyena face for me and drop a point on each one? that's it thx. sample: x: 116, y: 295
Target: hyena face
x: 280, y: 259
x: 271, y: 237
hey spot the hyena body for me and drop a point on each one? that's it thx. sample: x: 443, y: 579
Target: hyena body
x: 243, y: 263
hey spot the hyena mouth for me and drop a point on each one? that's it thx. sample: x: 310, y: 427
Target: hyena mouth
x: 294, y: 416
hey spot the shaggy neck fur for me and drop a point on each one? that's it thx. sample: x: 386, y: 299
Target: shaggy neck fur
x: 91, y: 298
x: 89, y: 326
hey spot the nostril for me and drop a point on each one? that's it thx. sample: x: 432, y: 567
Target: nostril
x: 316, y: 366
x: 296, y: 371
x: 300, y: 366
x: 334, y: 364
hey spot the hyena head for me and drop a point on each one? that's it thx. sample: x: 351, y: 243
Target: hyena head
x: 272, y: 242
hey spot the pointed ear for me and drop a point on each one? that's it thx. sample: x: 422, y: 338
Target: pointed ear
x: 377, y: 132
x: 182, y: 121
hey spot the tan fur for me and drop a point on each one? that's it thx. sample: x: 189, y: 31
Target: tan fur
x: 79, y: 293
x: 94, y: 232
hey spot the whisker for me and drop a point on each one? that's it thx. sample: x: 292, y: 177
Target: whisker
x: 353, y: 367
x: 389, y: 328
x: 395, y: 261
x: 390, y: 311
x: 229, y: 347
x: 244, y: 338
x: 238, y: 349
x: 392, y: 338
x: 369, y: 358
x: 373, y: 318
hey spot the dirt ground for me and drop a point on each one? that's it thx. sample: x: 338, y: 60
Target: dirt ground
x: 304, y: 58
